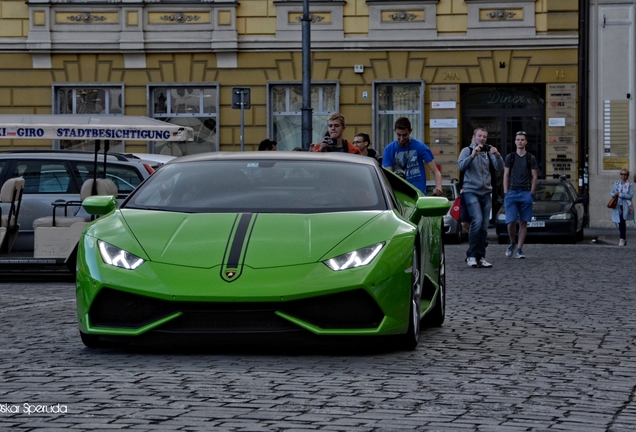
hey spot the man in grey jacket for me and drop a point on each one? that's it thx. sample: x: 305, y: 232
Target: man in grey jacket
x: 475, y: 162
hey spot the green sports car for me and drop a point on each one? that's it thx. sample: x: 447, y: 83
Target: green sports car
x: 263, y: 243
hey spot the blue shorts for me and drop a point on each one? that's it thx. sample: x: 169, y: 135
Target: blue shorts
x: 518, y: 206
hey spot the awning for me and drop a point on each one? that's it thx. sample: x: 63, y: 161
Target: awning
x: 90, y: 127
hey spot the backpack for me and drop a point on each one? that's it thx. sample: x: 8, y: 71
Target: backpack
x: 528, y: 161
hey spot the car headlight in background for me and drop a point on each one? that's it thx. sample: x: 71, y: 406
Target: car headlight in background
x: 501, y: 216
x: 562, y: 216
x: 357, y: 258
x: 117, y: 257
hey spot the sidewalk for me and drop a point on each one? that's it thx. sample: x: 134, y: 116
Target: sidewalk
x: 592, y: 235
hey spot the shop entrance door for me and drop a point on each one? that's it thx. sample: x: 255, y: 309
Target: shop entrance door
x: 502, y: 128
x: 503, y: 111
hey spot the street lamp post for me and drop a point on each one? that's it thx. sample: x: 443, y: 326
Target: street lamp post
x: 306, y: 108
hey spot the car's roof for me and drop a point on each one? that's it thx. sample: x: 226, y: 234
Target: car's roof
x: 444, y: 182
x: 278, y: 155
x: 552, y: 181
x: 65, y: 155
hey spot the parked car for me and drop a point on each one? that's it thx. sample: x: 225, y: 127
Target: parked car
x: 453, y: 230
x: 558, y: 212
x: 57, y: 176
x: 156, y: 161
x: 263, y: 243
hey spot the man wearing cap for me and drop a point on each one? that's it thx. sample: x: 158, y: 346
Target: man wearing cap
x: 267, y: 145
x: 519, y: 184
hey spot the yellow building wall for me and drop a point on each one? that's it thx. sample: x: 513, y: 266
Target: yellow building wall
x: 258, y: 17
x: 26, y: 90
x: 14, y: 19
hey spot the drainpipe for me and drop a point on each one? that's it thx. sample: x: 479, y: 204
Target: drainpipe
x: 583, y: 96
x: 306, y: 110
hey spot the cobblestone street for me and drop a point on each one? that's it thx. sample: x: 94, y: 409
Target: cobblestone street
x: 545, y: 343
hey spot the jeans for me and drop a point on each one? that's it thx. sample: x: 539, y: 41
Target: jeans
x: 479, y: 207
x: 622, y: 228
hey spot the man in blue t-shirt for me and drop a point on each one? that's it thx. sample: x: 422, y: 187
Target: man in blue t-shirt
x: 406, y: 157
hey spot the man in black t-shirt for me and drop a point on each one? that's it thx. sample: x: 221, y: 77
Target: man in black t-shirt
x: 519, y: 184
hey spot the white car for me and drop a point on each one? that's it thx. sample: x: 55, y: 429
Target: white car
x: 453, y: 230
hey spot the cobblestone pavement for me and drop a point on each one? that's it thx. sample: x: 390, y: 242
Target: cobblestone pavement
x: 545, y: 343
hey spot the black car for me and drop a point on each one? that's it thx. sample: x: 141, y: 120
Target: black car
x: 558, y: 212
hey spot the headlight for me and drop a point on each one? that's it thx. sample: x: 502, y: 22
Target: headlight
x: 117, y: 257
x: 562, y: 216
x: 358, y: 258
x: 501, y: 216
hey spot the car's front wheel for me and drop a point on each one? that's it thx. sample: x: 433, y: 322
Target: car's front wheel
x: 412, y: 336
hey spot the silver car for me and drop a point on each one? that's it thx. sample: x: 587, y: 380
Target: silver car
x: 453, y: 230
x: 57, y: 176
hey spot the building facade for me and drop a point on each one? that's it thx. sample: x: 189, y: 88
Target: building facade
x: 611, y: 120
x: 448, y: 65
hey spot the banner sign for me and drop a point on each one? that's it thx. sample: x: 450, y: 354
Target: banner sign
x: 111, y: 128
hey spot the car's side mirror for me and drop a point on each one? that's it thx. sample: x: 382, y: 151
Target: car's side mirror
x: 430, y: 206
x: 99, y: 204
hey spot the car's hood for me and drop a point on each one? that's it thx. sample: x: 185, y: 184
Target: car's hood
x: 550, y: 207
x: 254, y: 239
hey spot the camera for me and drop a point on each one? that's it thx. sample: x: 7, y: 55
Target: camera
x: 401, y: 174
x: 485, y: 148
x: 331, y: 142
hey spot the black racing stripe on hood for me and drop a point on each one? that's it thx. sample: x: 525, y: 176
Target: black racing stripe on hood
x: 239, y: 240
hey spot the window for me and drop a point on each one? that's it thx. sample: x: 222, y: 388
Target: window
x: 286, y: 102
x: 126, y: 178
x: 42, y: 176
x: 92, y: 99
x: 193, y: 106
x: 394, y: 100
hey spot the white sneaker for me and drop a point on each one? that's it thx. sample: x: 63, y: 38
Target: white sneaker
x: 622, y: 242
x: 472, y: 261
x: 484, y: 263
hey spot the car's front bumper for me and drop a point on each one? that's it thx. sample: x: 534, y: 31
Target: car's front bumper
x: 160, y: 298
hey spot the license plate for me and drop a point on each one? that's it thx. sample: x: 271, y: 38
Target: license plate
x: 536, y: 224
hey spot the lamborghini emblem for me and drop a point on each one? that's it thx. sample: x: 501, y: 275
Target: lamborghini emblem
x: 236, y: 247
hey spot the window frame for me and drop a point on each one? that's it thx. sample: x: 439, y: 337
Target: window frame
x: 150, y: 103
x: 55, y: 88
x: 376, y: 112
x: 288, y: 84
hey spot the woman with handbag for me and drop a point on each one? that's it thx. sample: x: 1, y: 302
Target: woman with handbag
x: 623, y: 190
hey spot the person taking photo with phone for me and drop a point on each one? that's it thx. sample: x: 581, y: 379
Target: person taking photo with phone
x: 333, y: 141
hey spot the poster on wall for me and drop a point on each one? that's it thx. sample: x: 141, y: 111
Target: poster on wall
x: 443, y: 127
x: 561, y: 149
x: 615, y: 134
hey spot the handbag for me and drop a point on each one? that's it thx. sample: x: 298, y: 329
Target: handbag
x: 455, y: 210
x: 612, y: 202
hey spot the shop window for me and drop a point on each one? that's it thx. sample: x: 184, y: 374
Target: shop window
x: 193, y: 106
x: 286, y: 102
x: 394, y: 100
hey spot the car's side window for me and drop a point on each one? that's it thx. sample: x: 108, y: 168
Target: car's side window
x: 126, y: 178
x: 44, y: 177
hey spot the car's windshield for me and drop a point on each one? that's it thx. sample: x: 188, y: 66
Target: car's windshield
x: 551, y: 192
x: 272, y: 186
